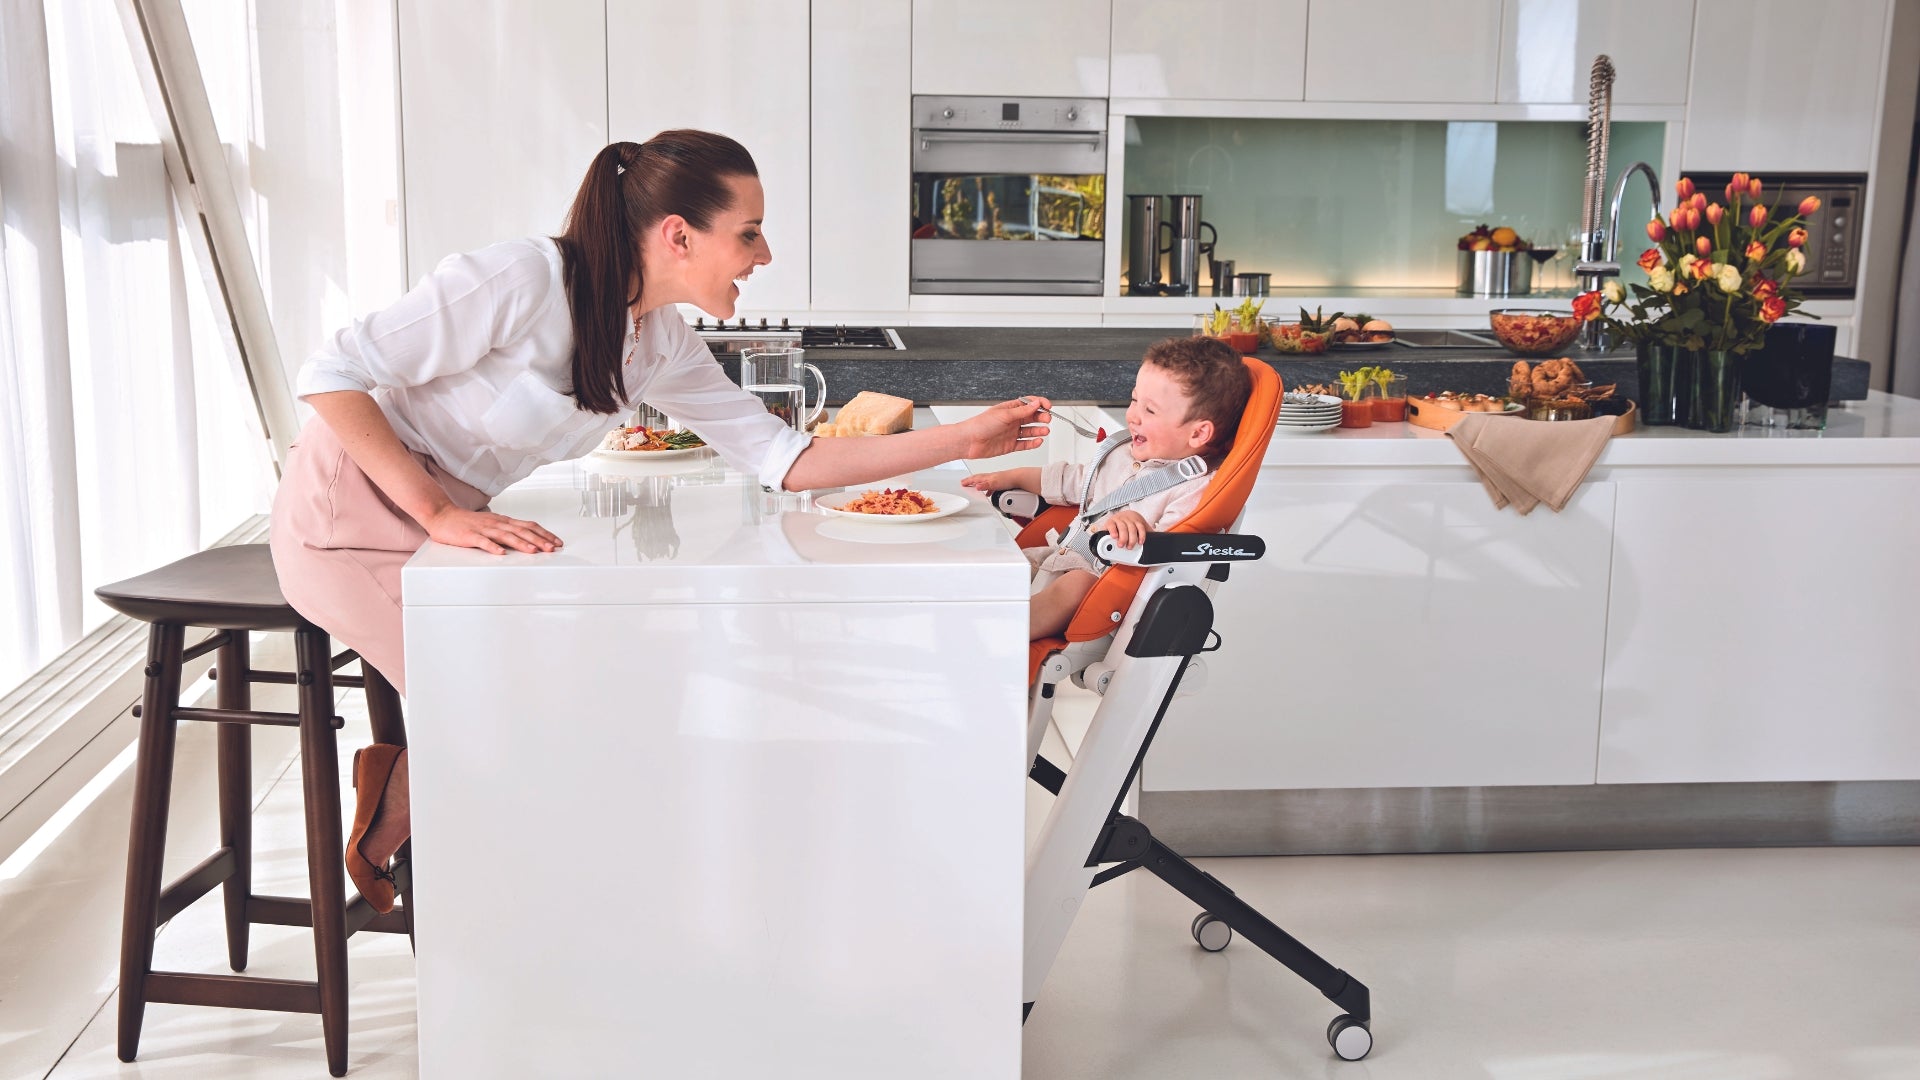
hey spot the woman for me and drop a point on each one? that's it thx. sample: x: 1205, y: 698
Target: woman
x: 523, y: 353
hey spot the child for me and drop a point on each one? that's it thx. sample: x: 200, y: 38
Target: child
x: 1186, y: 406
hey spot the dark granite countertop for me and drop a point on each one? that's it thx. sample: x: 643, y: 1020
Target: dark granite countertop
x: 1095, y: 365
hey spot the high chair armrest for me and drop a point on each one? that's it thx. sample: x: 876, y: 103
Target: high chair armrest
x: 1160, y: 548
x: 1017, y: 503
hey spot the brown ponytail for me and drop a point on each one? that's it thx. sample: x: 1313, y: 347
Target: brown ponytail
x: 628, y: 189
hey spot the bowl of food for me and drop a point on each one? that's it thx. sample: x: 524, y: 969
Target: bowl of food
x: 1312, y: 334
x: 1532, y: 332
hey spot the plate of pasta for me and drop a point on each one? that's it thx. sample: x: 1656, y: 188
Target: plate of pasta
x: 638, y: 443
x: 892, y: 504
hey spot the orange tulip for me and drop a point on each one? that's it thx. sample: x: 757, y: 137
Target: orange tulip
x: 1809, y: 205
x: 1756, y: 251
x: 1738, y: 185
x: 1699, y: 200
x: 1684, y: 188
x: 1649, y: 258
x: 1796, y: 237
x: 1703, y: 247
x: 1715, y: 213
x: 1758, y: 217
x: 1753, y: 187
x: 1656, y: 232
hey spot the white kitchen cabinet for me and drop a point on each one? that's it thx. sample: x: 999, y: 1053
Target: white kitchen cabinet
x: 739, y: 68
x: 1400, y: 632
x: 494, y: 150
x: 1173, y: 51
x: 862, y: 165
x: 1547, y: 49
x: 1780, y: 85
x: 1763, y: 631
x: 1402, y: 50
x: 1006, y: 48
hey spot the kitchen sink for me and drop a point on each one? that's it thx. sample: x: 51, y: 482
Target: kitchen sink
x: 1445, y: 339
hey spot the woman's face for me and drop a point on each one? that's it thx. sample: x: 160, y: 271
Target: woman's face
x: 726, y: 253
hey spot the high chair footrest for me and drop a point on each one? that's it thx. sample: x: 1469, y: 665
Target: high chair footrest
x: 1176, y: 622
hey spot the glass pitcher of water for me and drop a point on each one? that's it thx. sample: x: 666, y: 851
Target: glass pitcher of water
x: 777, y: 377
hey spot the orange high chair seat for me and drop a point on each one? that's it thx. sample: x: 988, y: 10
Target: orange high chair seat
x: 1220, y: 505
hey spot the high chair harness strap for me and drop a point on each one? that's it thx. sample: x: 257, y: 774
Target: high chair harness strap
x: 1079, y: 537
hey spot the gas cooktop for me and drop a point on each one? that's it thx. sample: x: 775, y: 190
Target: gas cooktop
x: 732, y: 337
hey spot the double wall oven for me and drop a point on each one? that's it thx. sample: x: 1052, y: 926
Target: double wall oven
x: 1009, y: 195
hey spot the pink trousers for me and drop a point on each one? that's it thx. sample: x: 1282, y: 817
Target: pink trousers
x: 339, y: 543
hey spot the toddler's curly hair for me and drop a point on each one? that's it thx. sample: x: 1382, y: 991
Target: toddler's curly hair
x: 1216, y: 383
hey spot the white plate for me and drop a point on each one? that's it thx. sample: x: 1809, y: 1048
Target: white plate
x: 1307, y: 414
x: 1286, y: 429
x: 944, y: 503
x: 648, y: 455
x: 1323, y: 399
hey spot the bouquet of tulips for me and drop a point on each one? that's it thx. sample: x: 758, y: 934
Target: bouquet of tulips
x: 1718, y: 275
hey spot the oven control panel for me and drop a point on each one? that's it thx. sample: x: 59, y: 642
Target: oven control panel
x: 1009, y: 114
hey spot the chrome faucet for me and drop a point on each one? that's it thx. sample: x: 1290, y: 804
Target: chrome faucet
x: 1595, y: 272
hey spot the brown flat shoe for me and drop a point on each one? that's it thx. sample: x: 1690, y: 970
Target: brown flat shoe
x: 382, y: 820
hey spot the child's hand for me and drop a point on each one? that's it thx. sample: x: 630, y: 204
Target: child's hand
x: 1001, y: 480
x: 1126, y: 527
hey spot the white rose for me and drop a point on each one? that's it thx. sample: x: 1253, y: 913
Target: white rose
x: 1613, y: 292
x: 1796, y: 262
x: 1660, y: 279
x: 1727, y: 278
x: 1686, y: 265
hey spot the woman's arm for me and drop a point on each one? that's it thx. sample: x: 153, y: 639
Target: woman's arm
x: 369, y: 440
x: 1002, y: 429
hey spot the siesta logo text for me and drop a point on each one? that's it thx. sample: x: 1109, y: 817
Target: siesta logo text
x: 1230, y: 552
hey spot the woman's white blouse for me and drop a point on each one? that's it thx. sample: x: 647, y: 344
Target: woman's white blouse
x: 473, y: 368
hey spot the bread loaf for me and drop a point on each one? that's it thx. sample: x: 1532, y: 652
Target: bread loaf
x: 875, y: 414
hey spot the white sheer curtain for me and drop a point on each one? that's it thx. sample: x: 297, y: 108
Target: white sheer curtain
x: 127, y: 437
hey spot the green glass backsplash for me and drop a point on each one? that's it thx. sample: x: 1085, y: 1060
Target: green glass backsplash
x: 1372, y: 203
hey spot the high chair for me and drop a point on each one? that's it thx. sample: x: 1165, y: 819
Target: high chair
x: 1133, y: 641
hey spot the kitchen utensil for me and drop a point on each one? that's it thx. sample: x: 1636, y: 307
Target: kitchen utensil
x: 1183, y: 260
x: 777, y: 377
x: 1145, y: 229
x: 1078, y: 428
x: 1220, y: 276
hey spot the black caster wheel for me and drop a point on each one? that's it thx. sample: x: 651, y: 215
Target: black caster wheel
x: 1211, y: 932
x: 1349, y: 1038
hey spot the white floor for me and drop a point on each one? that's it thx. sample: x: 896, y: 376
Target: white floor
x: 1689, y: 965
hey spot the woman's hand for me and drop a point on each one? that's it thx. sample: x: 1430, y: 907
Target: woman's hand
x: 489, y: 532
x: 1006, y: 427
x: 1126, y: 527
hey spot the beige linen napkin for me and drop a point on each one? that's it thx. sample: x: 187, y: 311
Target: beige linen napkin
x: 1528, y: 462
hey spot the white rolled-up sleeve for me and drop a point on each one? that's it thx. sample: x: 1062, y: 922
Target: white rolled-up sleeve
x: 693, y: 390
x: 469, y: 305
x: 1061, y: 482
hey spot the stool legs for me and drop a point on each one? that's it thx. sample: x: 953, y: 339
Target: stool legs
x: 320, y: 774
x: 232, y: 690
x: 147, y: 843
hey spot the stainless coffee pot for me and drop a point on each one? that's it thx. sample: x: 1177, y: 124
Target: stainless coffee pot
x: 1183, y: 261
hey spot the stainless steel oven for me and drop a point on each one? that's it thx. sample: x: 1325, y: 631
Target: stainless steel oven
x: 1009, y: 195
x: 1833, y: 235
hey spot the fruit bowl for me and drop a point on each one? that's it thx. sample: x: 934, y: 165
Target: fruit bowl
x: 1531, y: 332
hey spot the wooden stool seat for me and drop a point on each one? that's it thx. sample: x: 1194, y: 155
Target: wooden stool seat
x: 233, y: 590
x: 224, y: 588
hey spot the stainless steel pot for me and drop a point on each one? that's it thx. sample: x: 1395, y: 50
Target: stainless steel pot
x: 1495, y: 273
x: 1251, y: 284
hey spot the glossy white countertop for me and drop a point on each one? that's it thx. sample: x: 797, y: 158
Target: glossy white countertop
x: 693, y: 531
x: 1882, y: 430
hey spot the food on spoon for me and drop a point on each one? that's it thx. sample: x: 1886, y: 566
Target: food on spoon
x: 642, y: 438
x: 890, y: 502
x: 870, y: 413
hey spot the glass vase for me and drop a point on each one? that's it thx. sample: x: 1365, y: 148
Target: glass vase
x: 1664, y: 389
x: 1714, y: 404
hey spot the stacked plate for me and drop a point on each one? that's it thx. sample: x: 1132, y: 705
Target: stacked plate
x: 1302, y: 414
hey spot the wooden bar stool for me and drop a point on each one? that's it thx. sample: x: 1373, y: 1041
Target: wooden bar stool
x: 233, y: 590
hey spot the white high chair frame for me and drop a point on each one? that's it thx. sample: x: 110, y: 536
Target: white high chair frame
x: 1086, y: 840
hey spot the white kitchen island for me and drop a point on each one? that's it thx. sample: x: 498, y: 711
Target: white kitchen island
x: 721, y: 789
